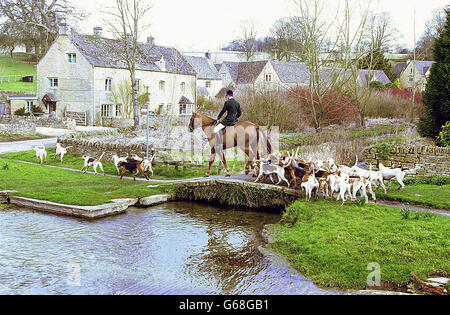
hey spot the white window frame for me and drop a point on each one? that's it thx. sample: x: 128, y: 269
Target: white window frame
x: 138, y: 84
x: 268, y: 77
x: 72, y: 58
x: 183, y: 87
x: 108, y: 84
x: 119, y: 110
x: 107, y: 111
x: 182, y: 109
x: 169, y: 109
x: 208, y: 84
x: 53, y: 83
x: 29, y: 107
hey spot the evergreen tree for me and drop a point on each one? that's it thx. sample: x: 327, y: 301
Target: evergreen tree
x: 437, y: 94
x: 377, y: 61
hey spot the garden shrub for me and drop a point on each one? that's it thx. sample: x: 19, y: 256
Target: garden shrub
x: 444, y: 135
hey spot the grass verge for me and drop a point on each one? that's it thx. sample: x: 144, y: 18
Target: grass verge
x: 20, y: 66
x: 334, y: 245
x: 434, y: 196
x: 160, y: 173
x: 15, y: 137
x: 67, y: 187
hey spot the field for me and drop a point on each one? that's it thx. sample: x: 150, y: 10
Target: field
x: 334, y: 245
x: 22, y: 67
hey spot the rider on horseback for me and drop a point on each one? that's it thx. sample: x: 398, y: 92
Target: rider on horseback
x: 233, y: 108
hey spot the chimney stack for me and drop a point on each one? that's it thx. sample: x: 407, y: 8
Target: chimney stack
x: 151, y: 40
x: 208, y: 55
x: 98, y: 31
x: 63, y: 29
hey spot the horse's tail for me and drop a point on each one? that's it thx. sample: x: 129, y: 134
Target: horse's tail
x: 266, y: 142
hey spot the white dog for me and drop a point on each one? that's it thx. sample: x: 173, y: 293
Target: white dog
x: 41, y: 154
x: 391, y: 173
x: 116, y: 159
x: 270, y: 169
x: 61, y: 151
x: 90, y: 161
x: 309, y: 185
x: 375, y: 177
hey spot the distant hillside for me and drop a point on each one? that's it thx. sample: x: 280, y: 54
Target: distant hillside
x: 22, y: 66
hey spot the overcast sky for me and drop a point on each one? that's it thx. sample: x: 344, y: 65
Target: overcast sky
x: 198, y: 25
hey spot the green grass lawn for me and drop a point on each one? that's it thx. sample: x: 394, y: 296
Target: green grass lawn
x: 419, y: 194
x: 334, y: 245
x: 19, y: 67
x: 161, y: 173
x: 14, y: 137
x: 69, y: 187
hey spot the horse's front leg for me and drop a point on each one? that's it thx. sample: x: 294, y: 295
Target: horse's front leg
x: 222, y: 157
x: 212, y: 157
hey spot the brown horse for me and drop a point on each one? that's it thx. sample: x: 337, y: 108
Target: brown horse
x: 244, y: 135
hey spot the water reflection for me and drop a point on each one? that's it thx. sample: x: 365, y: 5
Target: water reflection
x: 176, y: 248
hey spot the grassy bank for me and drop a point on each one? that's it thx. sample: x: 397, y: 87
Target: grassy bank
x: 433, y: 196
x: 333, y: 245
x: 14, y: 137
x: 68, y: 187
x: 21, y: 66
x: 160, y: 173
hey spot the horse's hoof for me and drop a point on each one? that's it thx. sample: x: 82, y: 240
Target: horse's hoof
x: 247, y: 171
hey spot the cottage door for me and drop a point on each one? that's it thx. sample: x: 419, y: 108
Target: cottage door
x: 52, y: 107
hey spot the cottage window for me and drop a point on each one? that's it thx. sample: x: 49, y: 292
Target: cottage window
x: 182, y: 109
x: 72, y: 58
x: 53, y: 82
x: 208, y: 84
x: 162, y: 85
x: 108, y: 85
x: 268, y: 77
x: 169, y: 109
x: 161, y: 109
x: 183, y: 87
x: 29, y: 107
x: 107, y: 110
x: 119, y: 110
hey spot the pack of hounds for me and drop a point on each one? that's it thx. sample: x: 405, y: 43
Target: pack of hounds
x: 326, y: 177
x: 135, y: 165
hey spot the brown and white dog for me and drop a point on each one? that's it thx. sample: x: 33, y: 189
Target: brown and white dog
x: 41, y: 154
x: 94, y: 162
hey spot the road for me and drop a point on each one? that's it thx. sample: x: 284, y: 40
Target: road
x: 8, y: 147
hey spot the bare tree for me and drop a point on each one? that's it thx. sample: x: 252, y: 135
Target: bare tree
x: 247, y: 42
x: 330, y: 73
x: 127, y: 24
x: 289, y: 42
x: 433, y: 28
x: 380, y: 32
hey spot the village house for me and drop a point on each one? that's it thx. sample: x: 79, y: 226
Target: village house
x: 269, y: 74
x: 209, y: 81
x: 80, y: 73
x: 10, y: 102
x: 410, y: 70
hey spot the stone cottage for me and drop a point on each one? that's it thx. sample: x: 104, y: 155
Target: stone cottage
x: 10, y: 102
x: 407, y: 71
x: 209, y: 81
x: 82, y: 73
x: 269, y: 74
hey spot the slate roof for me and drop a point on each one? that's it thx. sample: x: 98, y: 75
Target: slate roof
x: 245, y: 72
x: 423, y: 66
x: 204, y: 67
x: 105, y: 52
x: 201, y: 90
x: 399, y: 68
x: 184, y: 100
x: 291, y: 72
x: 379, y: 75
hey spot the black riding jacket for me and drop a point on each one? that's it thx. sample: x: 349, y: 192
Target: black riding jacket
x: 233, y: 108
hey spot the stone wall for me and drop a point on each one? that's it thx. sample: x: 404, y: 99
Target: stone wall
x: 43, y: 121
x: 94, y: 148
x: 23, y: 128
x: 424, y: 160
